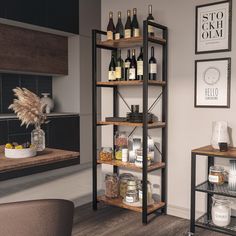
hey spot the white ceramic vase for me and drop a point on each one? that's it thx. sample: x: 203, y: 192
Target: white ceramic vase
x: 220, y: 133
x: 48, y: 101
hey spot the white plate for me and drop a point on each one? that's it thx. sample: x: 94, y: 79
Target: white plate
x: 20, y: 153
x: 137, y: 204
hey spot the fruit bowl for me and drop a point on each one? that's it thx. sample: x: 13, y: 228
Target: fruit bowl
x: 20, y: 153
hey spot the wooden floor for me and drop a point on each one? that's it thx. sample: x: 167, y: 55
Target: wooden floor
x: 112, y: 221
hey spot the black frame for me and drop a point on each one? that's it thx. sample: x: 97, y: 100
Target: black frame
x: 164, y: 94
x: 196, y: 222
x: 228, y: 84
x: 230, y: 27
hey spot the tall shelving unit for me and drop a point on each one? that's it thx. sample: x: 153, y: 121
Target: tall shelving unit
x: 144, y: 41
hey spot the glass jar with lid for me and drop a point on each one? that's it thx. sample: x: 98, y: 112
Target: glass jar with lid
x: 124, y: 178
x: 216, y: 175
x: 139, y: 158
x: 132, y: 184
x: 106, y: 154
x: 149, y: 191
x: 121, y: 141
x: 111, y: 186
x: 221, y: 211
x: 131, y: 196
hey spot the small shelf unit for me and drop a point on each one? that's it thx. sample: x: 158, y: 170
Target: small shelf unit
x: 113, y: 45
x: 205, y: 221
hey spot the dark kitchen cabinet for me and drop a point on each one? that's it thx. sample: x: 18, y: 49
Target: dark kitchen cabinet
x: 61, y: 15
x: 64, y: 133
x: 3, y: 131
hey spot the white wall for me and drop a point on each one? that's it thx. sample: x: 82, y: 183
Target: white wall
x: 189, y: 127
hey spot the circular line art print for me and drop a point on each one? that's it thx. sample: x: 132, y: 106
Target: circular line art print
x: 211, y: 75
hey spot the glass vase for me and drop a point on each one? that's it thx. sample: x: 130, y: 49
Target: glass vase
x: 38, y: 138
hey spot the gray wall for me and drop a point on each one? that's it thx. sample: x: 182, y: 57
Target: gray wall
x: 189, y: 127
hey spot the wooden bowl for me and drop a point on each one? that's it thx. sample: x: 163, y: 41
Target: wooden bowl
x: 20, y: 153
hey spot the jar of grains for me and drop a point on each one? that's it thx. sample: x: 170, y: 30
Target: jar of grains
x: 111, y: 186
x: 216, y: 175
x: 106, y: 154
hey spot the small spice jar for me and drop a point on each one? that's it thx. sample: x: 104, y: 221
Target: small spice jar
x: 111, y: 186
x: 106, y: 154
x: 221, y: 212
x: 216, y: 175
x: 149, y: 191
x: 139, y: 159
x: 124, y: 178
x: 131, y: 196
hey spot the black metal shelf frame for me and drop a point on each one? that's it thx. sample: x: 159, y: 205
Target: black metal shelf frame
x: 205, y: 221
x: 164, y: 94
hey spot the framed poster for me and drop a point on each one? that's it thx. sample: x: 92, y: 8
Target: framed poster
x: 213, y: 27
x: 212, y: 83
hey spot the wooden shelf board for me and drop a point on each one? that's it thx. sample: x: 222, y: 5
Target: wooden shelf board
x: 130, y: 42
x: 157, y: 124
x: 129, y: 83
x: 118, y: 202
x: 210, y: 151
x: 132, y: 166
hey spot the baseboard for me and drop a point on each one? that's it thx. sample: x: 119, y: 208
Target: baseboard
x: 181, y: 212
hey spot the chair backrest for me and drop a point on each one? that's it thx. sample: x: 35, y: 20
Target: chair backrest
x: 52, y: 217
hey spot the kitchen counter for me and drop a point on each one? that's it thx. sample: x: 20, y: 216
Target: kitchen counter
x: 53, y: 114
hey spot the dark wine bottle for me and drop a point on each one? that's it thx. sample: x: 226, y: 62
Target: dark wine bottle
x: 127, y: 65
x: 140, y: 65
x: 133, y: 67
x: 152, y: 66
x: 119, y: 28
x: 135, y: 25
x: 119, y: 66
x: 128, y: 27
x: 150, y: 18
x: 110, y: 27
x: 112, y: 68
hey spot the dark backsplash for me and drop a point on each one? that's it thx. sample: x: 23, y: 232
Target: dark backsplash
x: 35, y: 83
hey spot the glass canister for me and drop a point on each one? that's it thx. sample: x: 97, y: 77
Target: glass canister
x: 111, y: 186
x: 149, y: 191
x: 216, y: 175
x: 221, y: 212
x: 131, y: 196
x: 139, y: 158
x: 106, y: 154
x: 121, y: 141
x: 132, y: 184
x: 124, y: 178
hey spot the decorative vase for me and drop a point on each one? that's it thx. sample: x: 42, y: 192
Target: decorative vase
x: 48, y: 101
x: 38, y: 138
x: 220, y: 134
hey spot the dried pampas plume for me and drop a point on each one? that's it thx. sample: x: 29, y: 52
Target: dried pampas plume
x: 28, y: 107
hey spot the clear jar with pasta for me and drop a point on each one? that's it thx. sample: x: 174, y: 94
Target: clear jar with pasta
x: 111, y: 186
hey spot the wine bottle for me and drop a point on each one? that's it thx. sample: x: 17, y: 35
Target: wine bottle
x: 119, y: 28
x: 128, y: 27
x: 135, y: 25
x: 140, y: 65
x: 110, y: 27
x: 119, y: 67
x: 150, y: 18
x: 152, y: 66
x: 112, y: 68
x: 133, y: 67
x: 127, y: 65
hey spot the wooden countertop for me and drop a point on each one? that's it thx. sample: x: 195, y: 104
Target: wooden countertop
x: 210, y: 151
x: 47, y: 157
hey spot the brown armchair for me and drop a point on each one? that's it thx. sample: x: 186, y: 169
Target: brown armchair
x: 50, y: 217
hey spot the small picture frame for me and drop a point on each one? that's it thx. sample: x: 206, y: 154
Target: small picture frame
x: 213, y: 27
x: 212, y: 83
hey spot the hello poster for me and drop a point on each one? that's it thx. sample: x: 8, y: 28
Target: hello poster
x: 213, y: 27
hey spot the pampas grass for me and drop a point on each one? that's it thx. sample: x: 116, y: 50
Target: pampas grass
x: 28, y: 107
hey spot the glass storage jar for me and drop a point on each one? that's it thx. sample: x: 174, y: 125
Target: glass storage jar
x: 139, y: 159
x: 111, y: 186
x: 106, y: 154
x: 131, y: 196
x: 132, y: 184
x: 149, y: 191
x: 121, y: 141
x: 221, y: 212
x: 216, y: 175
x: 124, y: 178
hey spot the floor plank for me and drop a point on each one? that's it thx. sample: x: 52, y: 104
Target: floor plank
x: 112, y: 221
